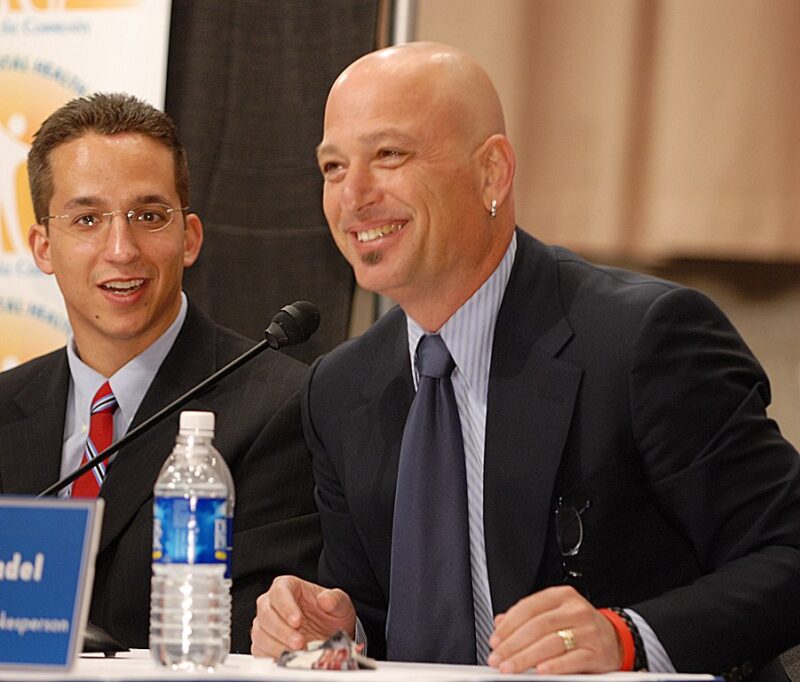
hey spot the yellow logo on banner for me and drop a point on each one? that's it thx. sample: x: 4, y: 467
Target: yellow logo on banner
x: 28, y: 98
x: 30, y: 92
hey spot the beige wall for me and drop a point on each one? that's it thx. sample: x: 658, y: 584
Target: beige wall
x: 663, y: 135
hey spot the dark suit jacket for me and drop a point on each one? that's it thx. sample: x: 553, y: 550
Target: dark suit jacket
x: 276, y: 527
x: 626, y: 391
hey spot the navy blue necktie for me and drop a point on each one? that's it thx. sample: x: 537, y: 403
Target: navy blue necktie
x: 431, y: 616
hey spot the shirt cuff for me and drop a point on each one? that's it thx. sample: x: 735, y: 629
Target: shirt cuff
x: 361, y: 636
x: 658, y: 660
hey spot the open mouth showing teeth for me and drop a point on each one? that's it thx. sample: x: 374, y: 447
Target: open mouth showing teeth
x: 124, y: 288
x: 378, y: 232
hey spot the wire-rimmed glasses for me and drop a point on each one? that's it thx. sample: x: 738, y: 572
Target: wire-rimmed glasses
x: 569, y: 536
x: 89, y: 222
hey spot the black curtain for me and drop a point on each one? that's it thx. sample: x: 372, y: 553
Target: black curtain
x: 246, y: 85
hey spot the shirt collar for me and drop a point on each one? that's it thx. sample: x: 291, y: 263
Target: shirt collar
x: 469, y: 333
x: 131, y: 381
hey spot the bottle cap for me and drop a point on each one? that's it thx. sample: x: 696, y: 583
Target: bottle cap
x: 197, y: 422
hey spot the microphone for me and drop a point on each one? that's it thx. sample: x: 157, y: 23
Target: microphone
x: 293, y: 324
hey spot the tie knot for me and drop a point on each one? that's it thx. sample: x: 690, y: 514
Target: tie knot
x: 104, y: 400
x: 433, y: 358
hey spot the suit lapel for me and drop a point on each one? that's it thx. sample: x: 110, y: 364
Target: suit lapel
x: 133, y: 473
x: 31, y: 445
x: 531, y: 398
x: 374, y: 436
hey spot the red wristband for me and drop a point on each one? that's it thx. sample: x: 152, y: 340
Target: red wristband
x: 625, y: 638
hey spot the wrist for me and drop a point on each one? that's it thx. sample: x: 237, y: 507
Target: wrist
x: 632, y: 654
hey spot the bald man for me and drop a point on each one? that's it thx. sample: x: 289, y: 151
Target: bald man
x: 629, y: 503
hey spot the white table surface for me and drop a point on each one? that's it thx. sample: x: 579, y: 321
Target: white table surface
x: 137, y: 666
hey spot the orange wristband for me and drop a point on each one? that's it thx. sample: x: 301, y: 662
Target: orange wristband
x: 625, y: 638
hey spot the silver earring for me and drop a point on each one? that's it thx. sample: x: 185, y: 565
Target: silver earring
x: 493, y: 209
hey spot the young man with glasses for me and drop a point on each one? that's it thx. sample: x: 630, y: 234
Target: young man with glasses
x: 110, y: 188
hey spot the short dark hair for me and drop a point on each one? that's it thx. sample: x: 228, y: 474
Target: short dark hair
x: 105, y: 114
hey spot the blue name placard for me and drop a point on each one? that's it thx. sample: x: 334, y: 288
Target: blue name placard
x: 47, y: 553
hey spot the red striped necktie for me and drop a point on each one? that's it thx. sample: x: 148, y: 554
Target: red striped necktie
x: 101, y: 432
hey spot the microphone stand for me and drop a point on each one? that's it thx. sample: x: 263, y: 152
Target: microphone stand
x: 159, y: 416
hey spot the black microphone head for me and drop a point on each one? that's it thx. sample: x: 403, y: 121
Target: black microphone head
x: 293, y: 324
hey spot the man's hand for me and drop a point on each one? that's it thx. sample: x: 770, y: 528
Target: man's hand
x: 294, y: 612
x: 527, y: 636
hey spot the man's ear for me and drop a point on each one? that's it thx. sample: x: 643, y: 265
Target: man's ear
x: 39, y: 241
x: 499, y: 165
x: 192, y: 239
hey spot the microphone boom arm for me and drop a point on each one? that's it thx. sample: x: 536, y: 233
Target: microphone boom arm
x: 159, y: 416
x: 293, y: 324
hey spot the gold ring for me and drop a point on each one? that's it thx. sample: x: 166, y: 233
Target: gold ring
x: 568, y: 637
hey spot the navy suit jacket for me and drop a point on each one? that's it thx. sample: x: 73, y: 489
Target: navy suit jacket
x: 625, y: 391
x: 258, y: 432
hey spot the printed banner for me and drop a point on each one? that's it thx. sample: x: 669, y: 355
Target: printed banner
x: 52, y: 51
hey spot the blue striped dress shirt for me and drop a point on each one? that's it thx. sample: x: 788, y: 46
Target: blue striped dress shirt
x: 469, y: 335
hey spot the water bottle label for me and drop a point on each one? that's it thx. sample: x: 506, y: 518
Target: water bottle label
x: 191, y: 531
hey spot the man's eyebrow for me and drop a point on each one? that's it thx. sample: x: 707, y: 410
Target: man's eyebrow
x: 81, y: 202
x: 97, y: 202
x: 387, y: 135
x: 393, y: 135
x: 326, y: 148
x: 150, y: 199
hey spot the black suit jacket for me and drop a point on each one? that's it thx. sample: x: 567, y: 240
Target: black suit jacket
x: 276, y: 527
x: 629, y: 392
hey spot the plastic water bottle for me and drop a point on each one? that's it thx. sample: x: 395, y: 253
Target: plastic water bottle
x: 190, y: 602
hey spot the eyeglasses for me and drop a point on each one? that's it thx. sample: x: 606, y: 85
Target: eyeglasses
x: 569, y: 536
x: 89, y: 222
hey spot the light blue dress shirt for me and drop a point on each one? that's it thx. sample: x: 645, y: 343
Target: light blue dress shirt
x: 129, y: 385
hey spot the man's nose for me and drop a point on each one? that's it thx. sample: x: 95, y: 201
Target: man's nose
x: 121, y: 244
x: 360, y: 189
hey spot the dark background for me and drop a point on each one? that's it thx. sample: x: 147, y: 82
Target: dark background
x: 246, y: 85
